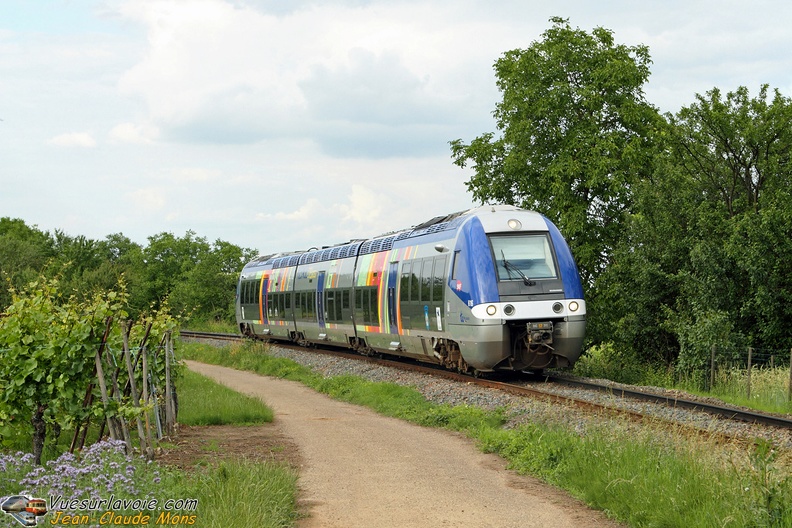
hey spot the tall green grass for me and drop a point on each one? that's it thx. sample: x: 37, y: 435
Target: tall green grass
x: 237, y: 492
x: 648, y: 477
x: 245, y: 493
x: 769, y: 386
x: 204, y: 402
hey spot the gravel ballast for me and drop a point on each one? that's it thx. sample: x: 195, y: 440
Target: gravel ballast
x: 522, y: 409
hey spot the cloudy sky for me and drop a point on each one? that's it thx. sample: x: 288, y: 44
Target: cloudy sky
x: 285, y: 124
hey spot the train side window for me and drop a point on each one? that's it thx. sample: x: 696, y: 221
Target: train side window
x: 359, y: 300
x: 437, y: 281
x: 310, y: 302
x: 345, y: 299
x: 256, y: 292
x: 415, y: 282
x: 404, y: 289
x: 426, y: 280
x: 373, y: 315
x: 338, y: 314
x: 330, y: 305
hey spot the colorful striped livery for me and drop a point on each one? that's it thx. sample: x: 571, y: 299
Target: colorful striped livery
x: 486, y: 289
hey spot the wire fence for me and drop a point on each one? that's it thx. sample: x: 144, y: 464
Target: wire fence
x: 752, y: 372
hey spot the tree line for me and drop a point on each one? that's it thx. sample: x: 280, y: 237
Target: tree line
x: 197, y: 277
x: 681, y: 223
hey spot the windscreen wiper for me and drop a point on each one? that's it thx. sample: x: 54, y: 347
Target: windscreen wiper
x: 511, y: 267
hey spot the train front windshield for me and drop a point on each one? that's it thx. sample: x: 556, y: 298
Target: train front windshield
x: 523, y: 257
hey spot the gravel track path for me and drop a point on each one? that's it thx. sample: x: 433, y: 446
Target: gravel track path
x: 362, y: 469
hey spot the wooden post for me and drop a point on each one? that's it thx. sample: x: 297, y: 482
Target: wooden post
x: 750, y: 353
x: 144, y: 357
x: 144, y: 448
x: 712, y: 369
x: 105, y: 398
x: 170, y: 411
x: 88, y: 399
x: 122, y: 422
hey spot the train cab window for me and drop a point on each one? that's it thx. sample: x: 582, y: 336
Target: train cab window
x: 454, y: 265
x: 521, y: 256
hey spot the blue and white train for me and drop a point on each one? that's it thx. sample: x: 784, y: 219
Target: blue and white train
x: 492, y: 288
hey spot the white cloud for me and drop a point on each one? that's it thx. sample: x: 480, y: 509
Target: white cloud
x: 139, y: 133
x: 219, y: 73
x: 149, y: 199
x: 74, y: 139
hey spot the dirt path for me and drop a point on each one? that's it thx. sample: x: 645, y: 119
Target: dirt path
x: 361, y: 469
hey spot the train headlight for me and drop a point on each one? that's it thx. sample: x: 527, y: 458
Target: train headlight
x: 558, y: 307
x: 573, y: 306
x: 514, y: 224
x: 508, y: 309
x: 491, y: 309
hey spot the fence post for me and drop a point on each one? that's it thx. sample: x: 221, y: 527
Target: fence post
x: 712, y: 369
x: 750, y: 353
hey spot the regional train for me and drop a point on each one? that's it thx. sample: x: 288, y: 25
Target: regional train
x: 488, y: 289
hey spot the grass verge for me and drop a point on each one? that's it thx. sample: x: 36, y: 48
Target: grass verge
x: 638, y: 476
x: 223, y: 491
x: 204, y: 402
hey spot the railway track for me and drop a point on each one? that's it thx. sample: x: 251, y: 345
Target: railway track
x: 527, y: 388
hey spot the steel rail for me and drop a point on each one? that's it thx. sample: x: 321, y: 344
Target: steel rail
x: 722, y: 410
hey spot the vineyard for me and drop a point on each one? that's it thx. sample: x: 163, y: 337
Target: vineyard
x: 82, y: 365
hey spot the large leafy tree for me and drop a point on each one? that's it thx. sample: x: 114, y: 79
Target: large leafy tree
x: 576, y: 134
x: 24, y: 251
x: 735, y: 153
x: 703, y: 260
x: 736, y: 149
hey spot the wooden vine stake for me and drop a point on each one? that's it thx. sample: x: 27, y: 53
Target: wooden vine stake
x: 144, y: 446
x: 111, y: 426
x: 170, y: 408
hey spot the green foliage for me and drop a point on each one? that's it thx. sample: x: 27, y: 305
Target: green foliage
x: 204, y: 402
x: 270, y: 489
x: 197, y: 277
x: 47, y: 350
x: 24, y: 251
x: 606, y: 361
x: 577, y: 134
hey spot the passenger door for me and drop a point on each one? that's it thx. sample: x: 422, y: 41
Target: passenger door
x: 320, y: 314
x: 393, y: 280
